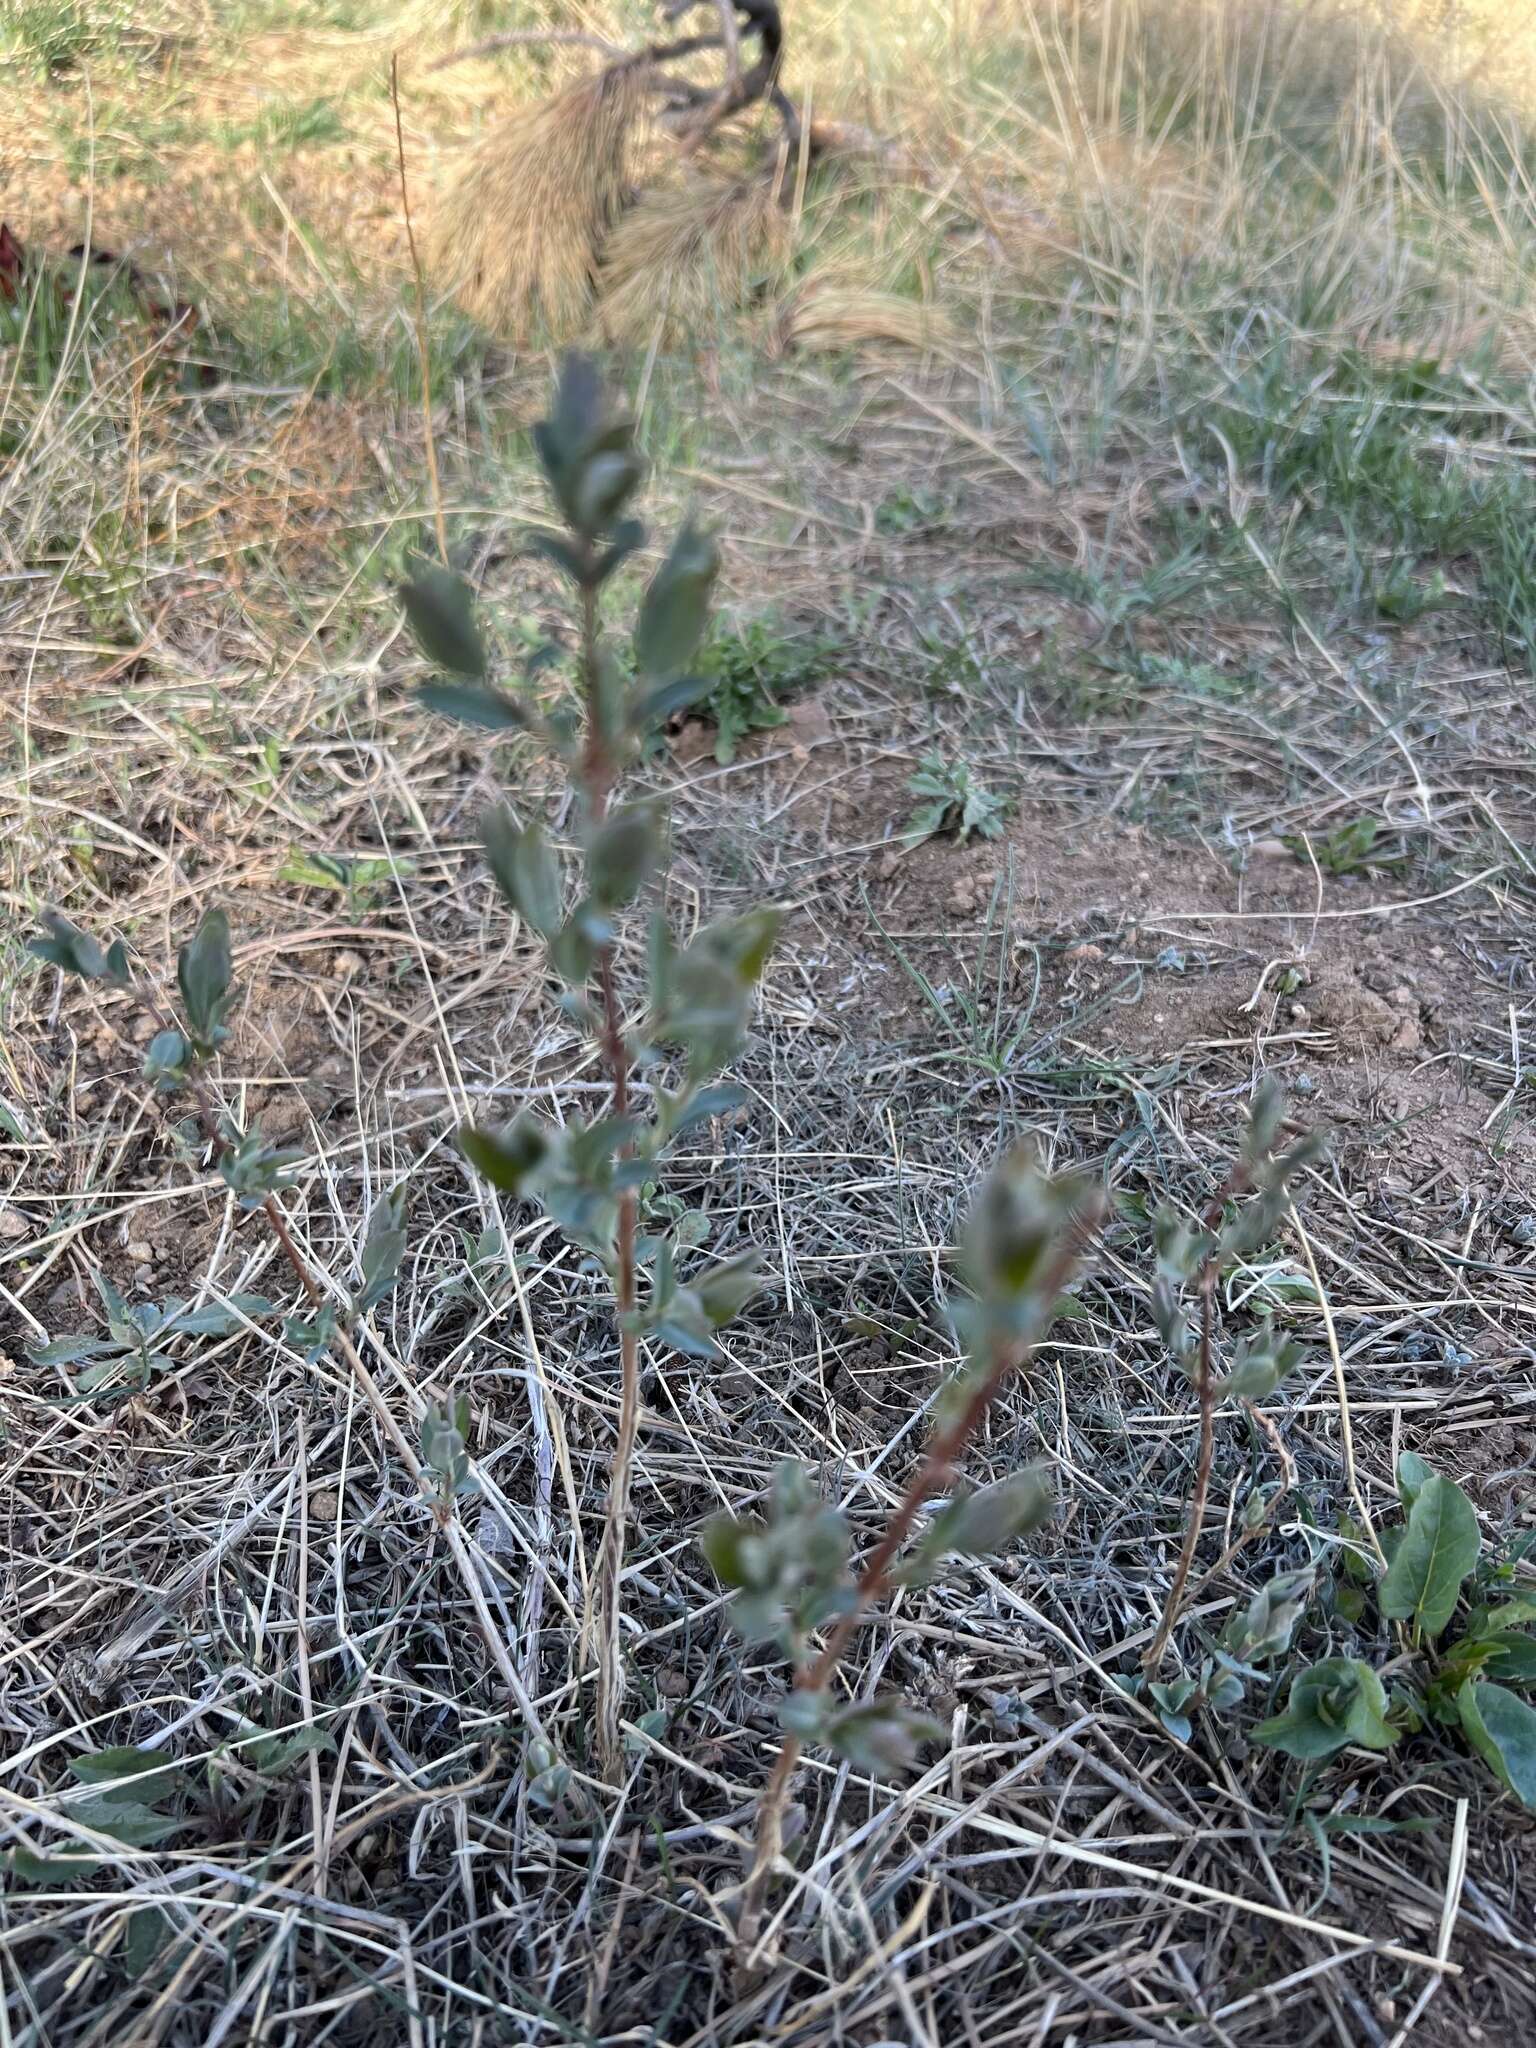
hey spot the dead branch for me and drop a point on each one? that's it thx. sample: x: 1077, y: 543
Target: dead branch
x: 710, y: 106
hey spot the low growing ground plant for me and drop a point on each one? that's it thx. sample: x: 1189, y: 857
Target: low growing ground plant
x: 956, y: 802
x: 181, y: 1062
x: 749, y: 673
x: 1423, y: 1573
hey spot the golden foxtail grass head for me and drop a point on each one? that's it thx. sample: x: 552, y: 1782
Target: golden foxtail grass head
x: 687, y: 254
x: 517, y: 238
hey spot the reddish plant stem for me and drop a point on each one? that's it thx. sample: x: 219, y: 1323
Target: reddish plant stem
x: 1241, y: 1541
x: 610, y: 1669
x: 598, y: 778
x: 1205, y: 1392
x: 937, y: 1467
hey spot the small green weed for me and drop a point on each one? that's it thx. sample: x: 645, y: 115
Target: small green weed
x: 1403, y: 596
x: 750, y: 671
x: 957, y: 803
x: 300, y: 342
x: 1350, y: 849
x: 1422, y: 1570
x: 986, y: 1030
x: 1115, y: 599
x: 60, y: 319
x: 905, y: 512
x: 126, y: 1360
x: 59, y: 35
x: 283, y: 127
x: 358, y: 878
x: 1188, y: 678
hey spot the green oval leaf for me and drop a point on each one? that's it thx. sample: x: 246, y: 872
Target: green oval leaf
x: 1412, y: 1471
x: 625, y: 851
x: 882, y: 1737
x: 441, y: 610
x: 1333, y: 1704
x: 1511, y: 1658
x: 526, y: 867
x: 1502, y: 1729
x: 1438, y: 1549
x: 724, y: 1290
x: 675, y: 608
x: 488, y: 709
x: 509, y: 1159
x: 204, y: 971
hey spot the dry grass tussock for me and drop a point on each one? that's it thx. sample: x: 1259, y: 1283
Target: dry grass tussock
x: 833, y: 313
x: 519, y: 234
x: 692, y: 255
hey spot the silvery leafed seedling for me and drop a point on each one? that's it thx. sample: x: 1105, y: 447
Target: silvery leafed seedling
x: 699, y: 996
x: 1193, y: 1257
x: 789, y: 1571
x: 180, y: 1062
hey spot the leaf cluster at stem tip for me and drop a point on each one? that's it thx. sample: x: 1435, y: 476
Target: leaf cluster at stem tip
x: 572, y: 901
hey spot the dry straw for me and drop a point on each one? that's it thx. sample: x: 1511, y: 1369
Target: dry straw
x: 517, y: 238
x: 830, y: 315
x: 686, y: 255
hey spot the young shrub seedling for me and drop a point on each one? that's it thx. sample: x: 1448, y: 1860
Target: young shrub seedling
x: 127, y: 1359
x: 180, y: 1059
x: 789, y: 1572
x: 699, y: 997
x: 1350, y: 849
x: 1193, y: 1257
x: 751, y: 670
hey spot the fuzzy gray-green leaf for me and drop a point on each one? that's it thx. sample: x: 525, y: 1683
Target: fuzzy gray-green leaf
x: 204, y: 970
x: 624, y: 852
x: 473, y: 704
x: 675, y: 609
x: 509, y: 1159
x: 526, y: 867
x: 441, y: 610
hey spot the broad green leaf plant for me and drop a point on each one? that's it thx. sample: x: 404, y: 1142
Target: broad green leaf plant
x: 1472, y: 1684
x: 699, y: 995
